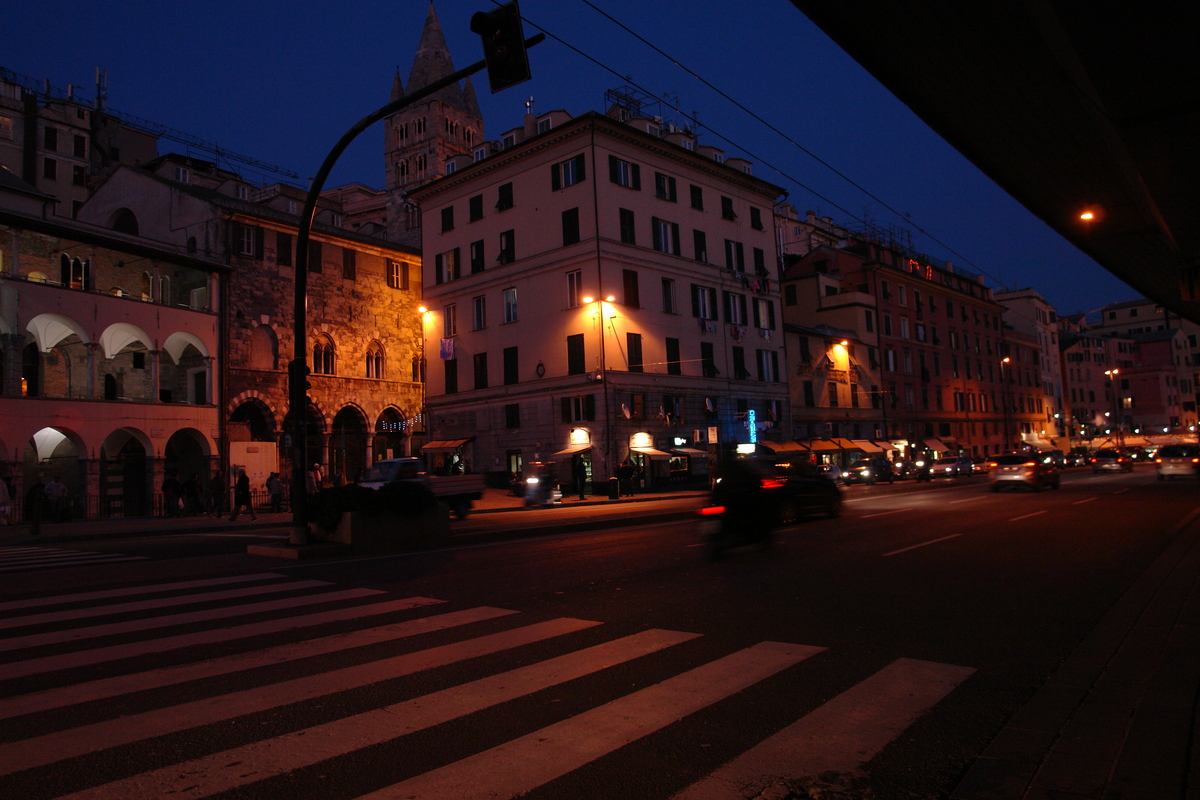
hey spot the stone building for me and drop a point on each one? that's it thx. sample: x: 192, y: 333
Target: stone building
x: 602, y: 286
x: 364, y: 343
x: 110, y: 368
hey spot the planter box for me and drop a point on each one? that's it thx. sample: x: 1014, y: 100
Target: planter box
x: 392, y: 533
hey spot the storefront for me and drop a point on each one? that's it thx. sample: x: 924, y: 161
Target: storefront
x: 651, y: 466
x: 447, y: 456
x: 578, y: 453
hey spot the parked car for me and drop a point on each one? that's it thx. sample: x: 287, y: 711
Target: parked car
x: 1110, y: 460
x: 1136, y: 453
x: 1031, y: 470
x: 1177, y: 460
x: 905, y: 469
x: 456, y: 491
x: 1076, y: 460
x: 869, y: 471
x: 952, y: 466
x: 831, y: 471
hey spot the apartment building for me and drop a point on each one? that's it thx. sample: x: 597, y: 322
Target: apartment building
x: 605, y: 286
x: 1028, y: 313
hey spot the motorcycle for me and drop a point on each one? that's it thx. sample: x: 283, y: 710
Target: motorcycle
x: 541, y: 484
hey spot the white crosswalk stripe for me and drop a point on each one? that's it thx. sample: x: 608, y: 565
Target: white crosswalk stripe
x: 27, y: 559
x: 360, y: 648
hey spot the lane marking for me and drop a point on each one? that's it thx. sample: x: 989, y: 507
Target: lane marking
x: 44, y: 750
x: 81, y: 597
x: 168, y: 676
x: 1027, y: 516
x: 130, y: 626
x: 150, y: 605
x: 1081, y: 502
x: 1120, y: 491
x: 521, y: 765
x: 966, y: 500
x: 922, y: 544
x: 885, y: 513
x: 99, y: 655
x: 840, y: 735
x: 220, y: 772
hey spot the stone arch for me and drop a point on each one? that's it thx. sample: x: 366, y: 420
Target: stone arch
x: 120, y: 335
x: 185, y: 377
x: 124, y: 221
x: 348, y: 442
x: 264, y: 348
x: 391, y: 438
x: 56, y: 363
x: 125, y: 474
x: 55, y: 451
x: 252, y: 421
x: 187, y: 453
x: 125, y: 348
x: 50, y: 329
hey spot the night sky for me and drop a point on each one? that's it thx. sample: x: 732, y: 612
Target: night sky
x: 281, y: 82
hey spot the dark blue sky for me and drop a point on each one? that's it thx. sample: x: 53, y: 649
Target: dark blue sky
x: 281, y: 82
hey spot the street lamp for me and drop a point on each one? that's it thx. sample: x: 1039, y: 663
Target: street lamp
x: 1007, y: 401
x: 602, y: 377
x: 1116, y: 419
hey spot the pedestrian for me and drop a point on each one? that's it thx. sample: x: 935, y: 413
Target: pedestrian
x: 275, y: 492
x: 625, y: 478
x: 56, y: 496
x: 217, y: 489
x: 5, y: 502
x: 190, y: 489
x: 241, y: 496
x: 579, y: 474
x: 315, y: 480
x: 171, y: 499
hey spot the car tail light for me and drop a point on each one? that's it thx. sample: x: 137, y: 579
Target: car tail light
x: 1196, y: 460
x: 1159, y: 460
x: 709, y: 511
x: 772, y: 483
x: 1029, y: 464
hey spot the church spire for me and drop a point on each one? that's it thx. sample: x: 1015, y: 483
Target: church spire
x: 397, y: 88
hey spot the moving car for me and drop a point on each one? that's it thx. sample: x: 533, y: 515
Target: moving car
x: 1022, y: 469
x: 456, y: 491
x: 831, y: 471
x: 869, y: 471
x: 1110, y: 460
x: 951, y: 466
x: 1177, y: 460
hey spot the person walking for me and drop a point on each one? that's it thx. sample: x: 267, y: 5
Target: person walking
x: 192, y: 501
x: 241, y: 496
x: 216, y: 494
x: 625, y: 477
x: 275, y: 492
x: 579, y: 474
x: 56, y: 495
x: 5, y: 502
x: 171, y: 499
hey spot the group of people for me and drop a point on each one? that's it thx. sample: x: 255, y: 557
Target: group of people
x: 194, y: 496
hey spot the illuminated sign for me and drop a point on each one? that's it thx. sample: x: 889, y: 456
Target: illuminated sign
x: 579, y: 436
x: 753, y: 428
x: 641, y: 439
x: 745, y: 449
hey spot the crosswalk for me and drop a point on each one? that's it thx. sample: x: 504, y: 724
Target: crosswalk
x: 26, y: 559
x: 196, y: 688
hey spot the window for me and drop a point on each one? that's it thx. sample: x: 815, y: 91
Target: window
x: 182, y: 174
x: 475, y: 208
x: 664, y: 187
x: 735, y: 256
x: 450, y: 321
x: 50, y: 169
x: 6, y: 127
x: 50, y: 138
x: 447, y: 219
x: 397, y: 275
x: 869, y: 319
x: 674, y: 365
x: 668, y: 296
x: 887, y: 324
x: 504, y: 197
x: 450, y: 366
x: 316, y: 255
x: 735, y: 308
x: 833, y: 392
x: 700, y: 246
x: 512, y: 415
x: 628, y: 229
x: 479, y: 362
x: 574, y: 289
x: 510, y: 305
x: 760, y: 262
x: 576, y: 364
x: 756, y: 218
x: 324, y: 360
x: 567, y: 173
x: 704, y: 302
x: 901, y: 295
x: 374, y: 362
x: 708, y: 363
x: 579, y: 409
x: 633, y: 347
x: 511, y: 372
x: 283, y: 249
x: 727, y: 208
x: 697, y: 198
x: 445, y: 266
x: 904, y: 332
x: 764, y: 314
x: 739, y: 364
x: 666, y: 236
x: 478, y: 313
x: 349, y: 264
x: 570, y: 226
x: 78, y: 176
x: 476, y: 250
x: 629, y: 280
x: 624, y: 173
x: 508, y: 247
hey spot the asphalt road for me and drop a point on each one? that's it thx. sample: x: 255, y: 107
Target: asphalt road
x: 944, y: 585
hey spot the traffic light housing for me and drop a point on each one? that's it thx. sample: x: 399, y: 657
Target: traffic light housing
x: 503, y: 45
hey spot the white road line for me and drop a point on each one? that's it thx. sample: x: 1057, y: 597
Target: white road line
x: 129, y: 626
x: 68, y: 562
x: 1120, y: 491
x: 885, y: 513
x: 150, y: 605
x: 840, y: 736
x: 1027, y: 516
x: 1081, y: 502
x: 220, y: 772
x: 922, y: 544
x: 965, y: 500
x: 516, y: 767
x: 169, y: 676
x: 99, y: 655
x: 43, y: 750
x: 63, y: 599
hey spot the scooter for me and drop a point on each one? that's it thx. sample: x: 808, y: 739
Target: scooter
x: 541, y: 484
x: 924, y: 473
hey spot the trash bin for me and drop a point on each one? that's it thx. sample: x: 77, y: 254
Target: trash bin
x: 614, y: 488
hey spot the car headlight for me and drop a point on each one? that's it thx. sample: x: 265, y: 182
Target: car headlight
x: 531, y: 481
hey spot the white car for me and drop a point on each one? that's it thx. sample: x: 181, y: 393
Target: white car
x: 952, y: 466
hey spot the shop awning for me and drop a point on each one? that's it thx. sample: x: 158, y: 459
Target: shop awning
x: 1040, y: 444
x: 820, y: 445
x: 689, y: 451
x: 650, y: 451
x: 845, y: 444
x: 444, y: 445
x: 867, y: 447
x: 784, y: 447
x: 885, y: 445
x: 572, y: 449
x: 936, y: 444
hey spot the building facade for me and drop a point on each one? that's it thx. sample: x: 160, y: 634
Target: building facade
x: 597, y: 288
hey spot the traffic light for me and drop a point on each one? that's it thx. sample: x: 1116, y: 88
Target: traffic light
x: 503, y: 45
